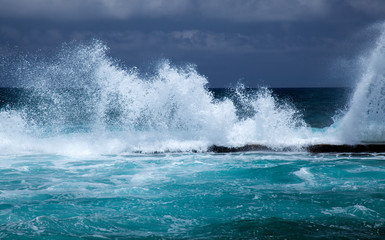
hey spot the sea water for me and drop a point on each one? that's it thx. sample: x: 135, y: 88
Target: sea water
x: 91, y: 149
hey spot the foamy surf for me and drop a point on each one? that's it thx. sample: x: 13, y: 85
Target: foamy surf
x: 84, y: 102
x: 81, y: 101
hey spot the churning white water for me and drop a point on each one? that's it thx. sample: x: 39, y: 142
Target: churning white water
x: 81, y: 101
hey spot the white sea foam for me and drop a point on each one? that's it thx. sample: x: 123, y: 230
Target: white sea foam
x: 121, y: 110
x: 84, y: 103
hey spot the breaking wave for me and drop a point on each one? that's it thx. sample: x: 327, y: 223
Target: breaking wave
x: 81, y: 101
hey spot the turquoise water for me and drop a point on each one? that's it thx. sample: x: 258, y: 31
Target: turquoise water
x: 190, y: 196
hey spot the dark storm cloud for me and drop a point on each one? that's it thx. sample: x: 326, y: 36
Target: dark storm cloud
x: 249, y: 10
x: 90, y: 9
x: 375, y: 8
x: 271, y: 42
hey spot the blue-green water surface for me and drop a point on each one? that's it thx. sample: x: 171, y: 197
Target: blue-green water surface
x: 193, y: 196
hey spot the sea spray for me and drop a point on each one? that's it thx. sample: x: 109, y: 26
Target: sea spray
x: 365, y: 119
x: 272, y: 123
x: 82, y: 101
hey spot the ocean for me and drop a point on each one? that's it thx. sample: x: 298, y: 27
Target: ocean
x: 91, y: 149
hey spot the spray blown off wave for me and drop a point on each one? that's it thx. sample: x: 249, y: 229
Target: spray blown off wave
x: 365, y: 120
x: 81, y: 102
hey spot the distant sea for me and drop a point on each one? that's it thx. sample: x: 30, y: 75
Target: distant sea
x: 93, y: 150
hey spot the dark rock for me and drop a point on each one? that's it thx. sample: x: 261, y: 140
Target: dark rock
x: 317, y: 148
x: 359, y: 148
x: 246, y: 148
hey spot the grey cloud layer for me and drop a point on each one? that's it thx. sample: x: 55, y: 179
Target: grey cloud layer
x: 169, y: 41
x: 282, y: 41
x: 244, y: 10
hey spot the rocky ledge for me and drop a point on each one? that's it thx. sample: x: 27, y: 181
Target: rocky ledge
x: 316, y: 148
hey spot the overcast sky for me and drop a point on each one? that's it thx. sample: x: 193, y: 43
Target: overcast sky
x: 274, y: 43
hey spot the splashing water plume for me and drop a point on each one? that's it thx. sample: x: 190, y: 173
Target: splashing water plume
x: 365, y: 119
x: 84, y: 102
